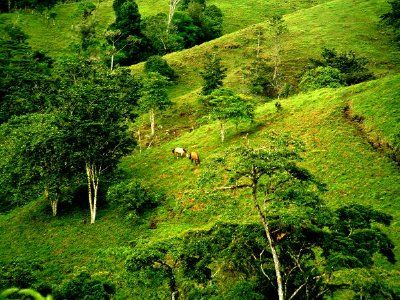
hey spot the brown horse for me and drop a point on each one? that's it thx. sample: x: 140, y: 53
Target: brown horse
x: 194, y: 156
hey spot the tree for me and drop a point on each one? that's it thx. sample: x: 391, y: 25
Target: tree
x: 154, y: 96
x: 259, y: 73
x: 162, y: 42
x: 113, y: 38
x: 294, y: 217
x: 158, y: 260
x: 160, y: 65
x: 212, y: 74
x: 39, y: 156
x: 278, y: 29
x: 173, y: 4
x: 128, y: 23
x: 224, y: 105
x: 353, y: 69
x: 392, y: 18
x: 321, y: 77
x: 26, y: 84
x: 212, y: 23
x: 93, y: 119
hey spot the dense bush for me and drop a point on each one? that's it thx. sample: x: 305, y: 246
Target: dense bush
x: 321, y: 77
x: 132, y: 198
x: 21, y: 274
x: 352, y: 67
x: 85, y: 287
x: 392, y: 18
x: 160, y: 65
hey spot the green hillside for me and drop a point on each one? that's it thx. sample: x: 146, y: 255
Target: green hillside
x: 340, y: 150
x: 336, y: 153
x: 56, y: 38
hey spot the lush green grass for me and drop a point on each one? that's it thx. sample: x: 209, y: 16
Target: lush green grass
x: 309, y: 31
x: 382, y: 116
x: 336, y: 151
x: 56, y: 38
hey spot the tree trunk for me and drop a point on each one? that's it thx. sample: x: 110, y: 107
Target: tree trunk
x: 112, y: 62
x: 270, y: 241
x: 9, y: 5
x: 152, y: 121
x: 54, y: 205
x: 222, y: 131
x: 93, y: 185
x: 172, y: 7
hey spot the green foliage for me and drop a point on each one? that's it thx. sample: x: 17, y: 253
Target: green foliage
x: 36, y: 154
x: 224, y: 105
x: 295, y: 217
x: 353, y: 68
x: 25, y: 82
x: 21, y: 274
x: 15, y: 293
x: 259, y: 75
x: 132, y: 198
x: 321, y: 77
x: 153, y: 92
x: 213, y: 74
x: 162, y: 42
x: 86, y: 9
x: 84, y: 286
x: 128, y: 23
x: 160, y: 65
x: 392, y: 18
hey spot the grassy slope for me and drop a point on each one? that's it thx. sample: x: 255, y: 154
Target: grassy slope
x: 336, y: 153
x: 56, y: 38
x: 341, y: 24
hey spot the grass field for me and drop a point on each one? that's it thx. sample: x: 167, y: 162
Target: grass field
x: 55, y: 39
x: 336, y: 152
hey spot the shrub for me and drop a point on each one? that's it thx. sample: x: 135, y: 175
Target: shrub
x: 353, y: 68
x: 132, y: 198
x: 160, y: 65
x: 85, y: 287
x: 19, y: 274
x: 321, y: 77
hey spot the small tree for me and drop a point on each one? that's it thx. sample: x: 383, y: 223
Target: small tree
x: 392, y: 18
x: 224, y: 105
x: 321, y: 77
x: 163, y: 42
x: 93, y: 119
x: 117, y: 43
x: 353, y: 68
x: 294, y: 217
x: 278, y: 29
x: 157, y: 260
x: 160, y: 65
x: 154, y: 96
x: 213, y: 74
x: 130, y: 37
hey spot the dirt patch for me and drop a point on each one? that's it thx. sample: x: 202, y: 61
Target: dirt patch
x: 376, y: 142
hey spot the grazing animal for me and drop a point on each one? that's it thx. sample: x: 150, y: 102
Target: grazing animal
x: 194, y: 156
x: 179, y: 152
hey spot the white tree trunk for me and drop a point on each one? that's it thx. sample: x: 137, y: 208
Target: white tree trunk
x: 93, y: 184
x: 222, y: 132
x: 172, y: 8
x: 275, y: 256
x: 152, y: 122
x: 54, y: 205
x: 112, y: 62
